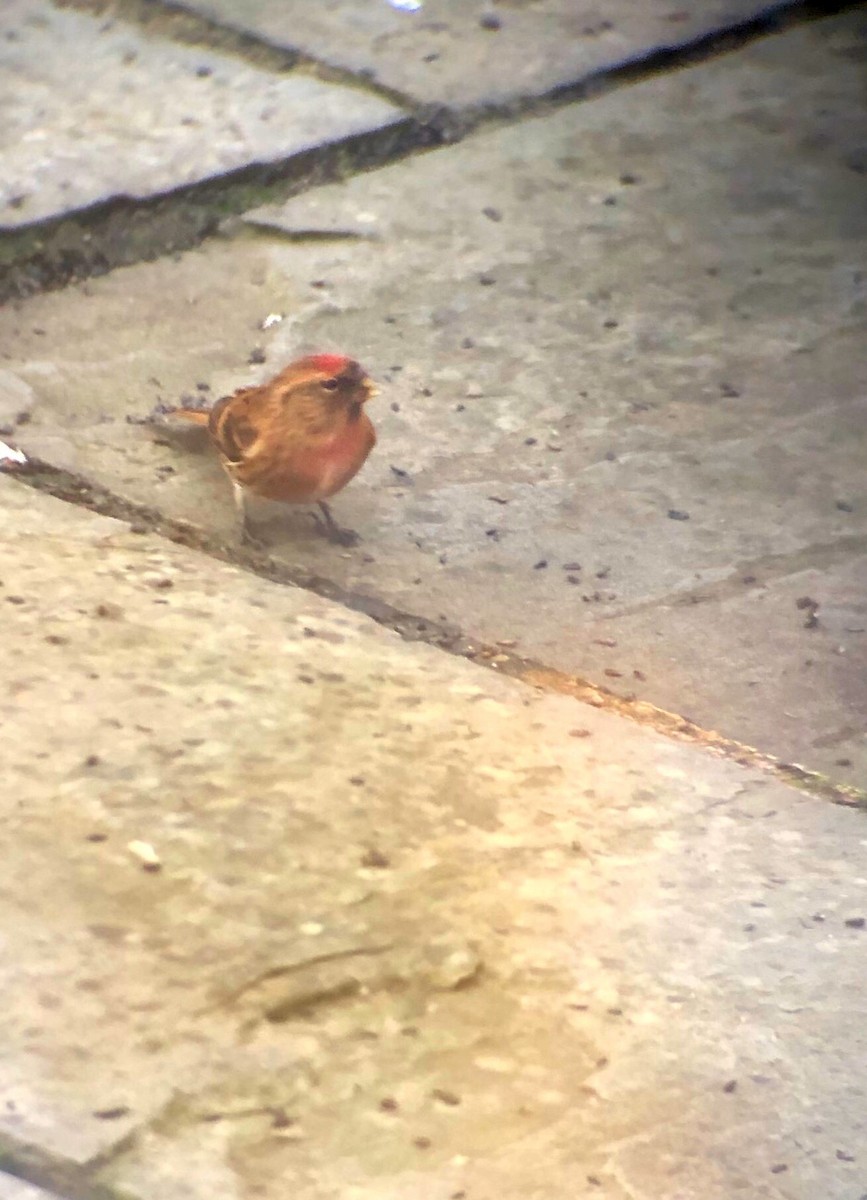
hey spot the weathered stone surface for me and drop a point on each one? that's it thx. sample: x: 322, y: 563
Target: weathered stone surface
x: 141, y: 115
x: 17, y: 399
x: 675, y: 325
x: 466, y: 52
x: 15, y: 1189
x: 417, y: 929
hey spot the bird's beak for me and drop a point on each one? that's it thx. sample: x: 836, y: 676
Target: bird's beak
x: 370, y: 389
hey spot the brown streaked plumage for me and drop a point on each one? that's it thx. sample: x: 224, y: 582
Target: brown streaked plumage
x: 299, y: 438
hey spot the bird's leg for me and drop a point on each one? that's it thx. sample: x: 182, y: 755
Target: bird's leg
x: 248, y: 536
x: 335, y: 532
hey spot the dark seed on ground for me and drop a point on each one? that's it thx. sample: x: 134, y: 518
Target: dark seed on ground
x: 375, y: 859
x: 493, y: 214
x: 540, y: 565
x: 845, y: 506
x: 677, y: 514
x: 730, y: 1087
x: 487, y: 280
x: 256, y: 355
x: 856, y: 922
x: 490, y: 21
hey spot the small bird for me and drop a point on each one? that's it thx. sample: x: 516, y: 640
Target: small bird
x: 299, y: 438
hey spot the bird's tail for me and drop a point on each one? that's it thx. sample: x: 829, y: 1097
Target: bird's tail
x: 162, y: 414
x: 198, y: 416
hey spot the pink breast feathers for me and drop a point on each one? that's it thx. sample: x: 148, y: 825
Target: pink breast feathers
x: 341, y: 458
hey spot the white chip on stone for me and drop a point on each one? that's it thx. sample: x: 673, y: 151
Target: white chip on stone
x: 9, y: 454
x: 146, y: 855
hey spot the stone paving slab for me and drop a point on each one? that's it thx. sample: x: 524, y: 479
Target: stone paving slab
x: 415, y: 929
x: 472, y: 52
x: 140, y: 115
x: 648, y: 304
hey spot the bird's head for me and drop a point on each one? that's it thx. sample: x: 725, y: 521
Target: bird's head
x: 333, y: 379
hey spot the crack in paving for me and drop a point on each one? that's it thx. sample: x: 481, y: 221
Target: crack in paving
x: 164, y: 18
x: 755, y: 574
x: 56, y: 1176
x: 120, y: 231
x: 283, y: 970
x: 413, y: 627
x: 9, y: 1174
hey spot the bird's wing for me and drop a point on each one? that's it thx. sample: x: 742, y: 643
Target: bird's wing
x: 231, y: 425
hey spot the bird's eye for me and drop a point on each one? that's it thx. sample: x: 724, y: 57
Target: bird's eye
x: 331, y: 385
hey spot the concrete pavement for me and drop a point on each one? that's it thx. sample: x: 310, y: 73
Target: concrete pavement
x: 402, y: 927
x: 299, y: 905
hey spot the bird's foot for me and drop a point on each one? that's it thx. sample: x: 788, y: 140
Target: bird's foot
x: 334, y: 532
x: 252, y: 539
x: 343, y: 537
